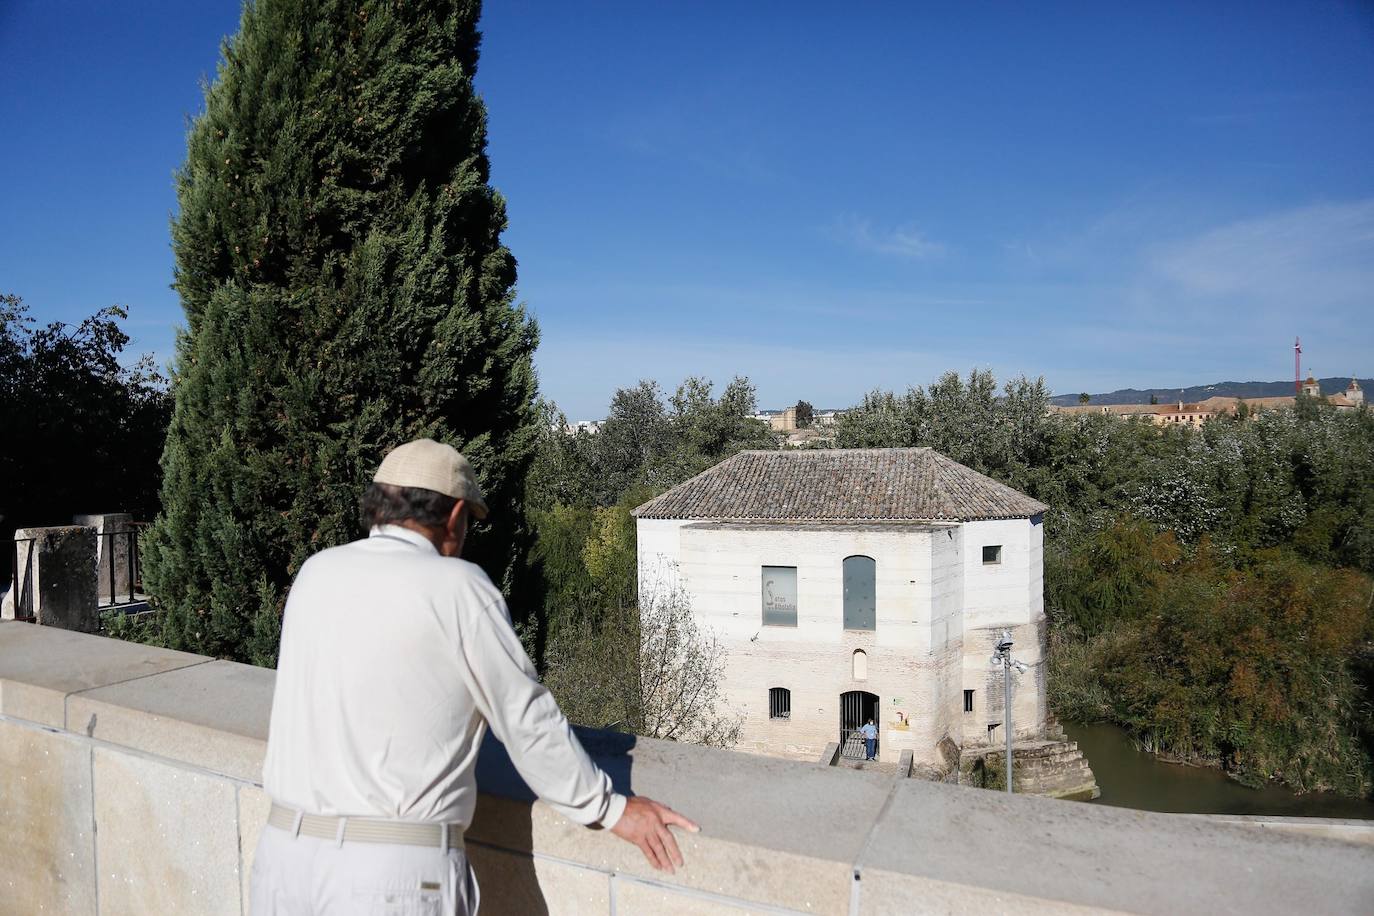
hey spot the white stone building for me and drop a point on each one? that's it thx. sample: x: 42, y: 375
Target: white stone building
x: 848, y: 583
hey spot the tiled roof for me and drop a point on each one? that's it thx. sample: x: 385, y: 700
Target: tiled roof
x: 893, y: 484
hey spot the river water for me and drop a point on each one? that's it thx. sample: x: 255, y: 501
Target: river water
x: 1131, y: 778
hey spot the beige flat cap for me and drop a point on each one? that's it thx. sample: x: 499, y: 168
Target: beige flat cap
x: 435, y: 466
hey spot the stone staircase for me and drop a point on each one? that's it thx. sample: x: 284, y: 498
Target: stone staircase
x: 1053, y: 767
x: 1054, y: 770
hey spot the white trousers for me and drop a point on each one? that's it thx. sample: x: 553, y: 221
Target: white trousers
x: 307, y: 876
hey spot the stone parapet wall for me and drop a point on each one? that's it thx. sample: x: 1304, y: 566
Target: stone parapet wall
x: 55, y: 570
x: 145, y: 762
x: 114, y: 532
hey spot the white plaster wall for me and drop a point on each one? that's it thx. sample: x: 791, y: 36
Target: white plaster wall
x: 1010, y: 595
x: 913, y: 655
x: 939, y: 611
x: 996, y: 595
x: 722, y: 569
x: 947, y: 632
x: 659, y: 553
x: 1028, y: 692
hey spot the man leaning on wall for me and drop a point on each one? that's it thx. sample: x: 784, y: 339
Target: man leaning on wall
x: 396, y: 655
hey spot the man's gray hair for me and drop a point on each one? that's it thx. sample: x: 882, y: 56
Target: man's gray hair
x: 388, y: 504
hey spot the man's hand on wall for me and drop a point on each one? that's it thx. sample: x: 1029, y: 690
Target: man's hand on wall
x: 645, y: 824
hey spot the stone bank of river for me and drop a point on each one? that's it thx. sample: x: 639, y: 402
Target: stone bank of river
x: 1131, y: 778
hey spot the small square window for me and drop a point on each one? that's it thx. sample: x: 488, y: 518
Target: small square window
x: 992, y: 554
x: 968, y: 701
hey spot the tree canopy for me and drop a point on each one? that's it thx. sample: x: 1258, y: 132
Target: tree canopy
x: 82, y: 430
x: 338, y: 257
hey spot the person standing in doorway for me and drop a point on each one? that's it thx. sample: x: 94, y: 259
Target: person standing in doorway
x: 870, y: 733
x: 396, y: 656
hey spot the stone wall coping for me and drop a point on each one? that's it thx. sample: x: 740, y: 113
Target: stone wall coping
x: 213, y: 715
x: 783, y: 834
x: 40, y: 667
x: 1131, y: 860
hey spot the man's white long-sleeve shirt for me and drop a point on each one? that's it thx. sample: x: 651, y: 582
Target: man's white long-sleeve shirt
x: 393, y: 661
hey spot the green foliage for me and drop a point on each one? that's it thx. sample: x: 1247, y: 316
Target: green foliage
x: 82, y: 431
x: 645, y: 445
x: 611, y: 661
x: 646, y: 668
x: 339, y: 260
x: 805, y: 414
x: 1253, y: 667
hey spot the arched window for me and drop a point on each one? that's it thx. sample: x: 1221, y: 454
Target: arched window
x: 860, y: 593
x: 860, y: 665
x: 779, y: 703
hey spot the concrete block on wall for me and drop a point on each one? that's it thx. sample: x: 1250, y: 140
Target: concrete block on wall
x: 164, y: 835
x: 40, y: 668
x: 212, y: 715
x: 47, y: 845
x: 55, y: 573
x: 113, y: 531
x: 254, y: 805
x: 515, y: 884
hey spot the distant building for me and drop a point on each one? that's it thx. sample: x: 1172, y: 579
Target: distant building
x: 848, y: 584
x: 784, y: 422
x: 1351, y: 399
x: 583, y: 426
x: 1196, y: 413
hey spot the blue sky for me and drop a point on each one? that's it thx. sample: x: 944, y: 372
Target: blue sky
x: 824, y: 198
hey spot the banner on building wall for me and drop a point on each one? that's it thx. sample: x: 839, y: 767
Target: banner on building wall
x: 901, y: 719
x: 780, y: 596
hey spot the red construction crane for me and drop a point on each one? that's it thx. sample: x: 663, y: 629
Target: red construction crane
x: 1297, y: 366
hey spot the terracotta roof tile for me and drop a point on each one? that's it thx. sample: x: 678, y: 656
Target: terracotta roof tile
x: 897, y: 484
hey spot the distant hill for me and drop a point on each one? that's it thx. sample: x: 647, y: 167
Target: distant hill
x: 1331, y: 385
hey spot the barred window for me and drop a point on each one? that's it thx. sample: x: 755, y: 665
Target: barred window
x: 779, y: 703
x: 968, y: 701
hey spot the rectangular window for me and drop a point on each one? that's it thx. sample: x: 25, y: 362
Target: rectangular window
x: 860, y: 593
x: 780, y: 596
x: 992, y: 554
x: 779, y: 703
x: 968, y: 701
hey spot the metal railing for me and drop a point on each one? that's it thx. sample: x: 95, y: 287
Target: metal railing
x: 116, y: 564
x: 852, y: 744
x: 21, y: 586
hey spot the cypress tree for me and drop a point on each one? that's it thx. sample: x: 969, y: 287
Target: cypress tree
x: 338, y: 256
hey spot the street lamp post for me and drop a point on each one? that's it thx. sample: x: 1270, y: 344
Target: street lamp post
x: 1001, y: 658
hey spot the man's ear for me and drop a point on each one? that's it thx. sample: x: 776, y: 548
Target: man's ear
x: 456, y: 515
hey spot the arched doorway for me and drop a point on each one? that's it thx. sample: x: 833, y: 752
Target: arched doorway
x: 856, y: 708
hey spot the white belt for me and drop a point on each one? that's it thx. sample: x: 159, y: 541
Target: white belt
x: 365, y: 829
